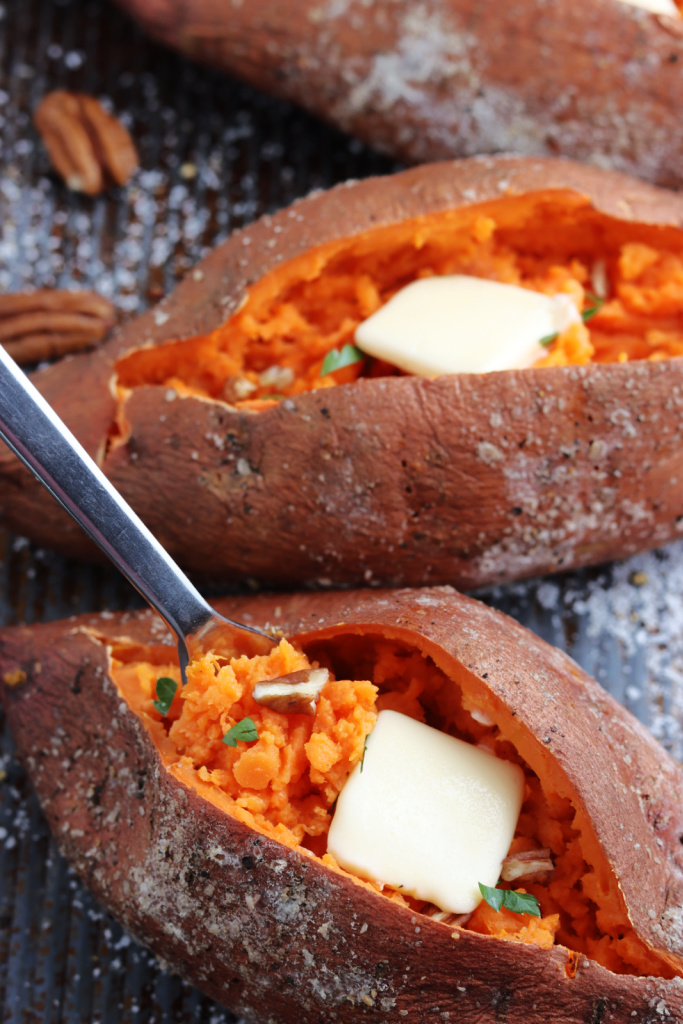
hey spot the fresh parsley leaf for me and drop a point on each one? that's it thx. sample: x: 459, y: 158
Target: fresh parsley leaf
x: 244, y: 730
x: 492, y: 895
x: 336, y: 360
x: 517, y: 902
x: 365, y: 747
x: 166, y: 688
x: 595, y: 307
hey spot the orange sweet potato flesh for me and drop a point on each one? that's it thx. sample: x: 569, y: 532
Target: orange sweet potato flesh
x: 311, y: 305
x: 596, y: 80
x: 465, y: 479
x: 285, y: 782
x: 274, y: 933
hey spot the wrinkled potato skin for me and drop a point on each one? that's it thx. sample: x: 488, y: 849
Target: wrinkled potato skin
x: 595, y: 80
x: 466, y: 479
x: 275, y: 935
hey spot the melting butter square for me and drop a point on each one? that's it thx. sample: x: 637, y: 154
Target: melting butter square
x: 461, y: 324
x: 429, y: 813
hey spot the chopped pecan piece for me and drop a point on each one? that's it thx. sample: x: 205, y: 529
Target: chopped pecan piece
x: 236, y: 389
x: 49, y: 323
x: 444, y: 917
x: 294, y: 694
x: 525, y: 864
x: 88, y: 147
x: 277, y: 377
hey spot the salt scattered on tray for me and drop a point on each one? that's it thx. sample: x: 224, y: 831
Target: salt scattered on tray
x: 623, y: 623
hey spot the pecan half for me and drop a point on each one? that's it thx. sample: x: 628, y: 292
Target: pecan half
x: 49, y: 323
x: 88, y: 147
x: 293, y: 694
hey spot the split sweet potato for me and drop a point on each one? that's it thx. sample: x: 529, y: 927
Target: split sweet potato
x: 466, y: 479
x: 596, y: 80
x: 261, y: 918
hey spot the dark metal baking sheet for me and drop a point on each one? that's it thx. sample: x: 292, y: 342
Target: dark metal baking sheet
x: 214, y: 155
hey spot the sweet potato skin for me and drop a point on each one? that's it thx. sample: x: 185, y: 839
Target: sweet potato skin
x: 467, y: 479
x: 277, y: 936
x: 595, y: 80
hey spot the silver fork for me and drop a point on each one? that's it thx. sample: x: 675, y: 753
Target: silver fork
x: 45, y: 444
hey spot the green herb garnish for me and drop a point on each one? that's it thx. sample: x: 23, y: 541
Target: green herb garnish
x: 595, y: 307
x: 336, y: 360
x: 166, y: 688
x: 365, y: 747
x: 244, y: 730
x: 517, y: 902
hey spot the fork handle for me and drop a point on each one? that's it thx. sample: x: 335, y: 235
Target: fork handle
x: 37, y: 435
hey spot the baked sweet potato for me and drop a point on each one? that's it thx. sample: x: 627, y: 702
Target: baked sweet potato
x: 596, y: 80
x: 231, y: 884
x: 465, y: 479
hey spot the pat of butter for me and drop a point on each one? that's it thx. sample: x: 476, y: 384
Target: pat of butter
x: 461, y: 324
x: 656, y: 6
x: 429, y: 813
